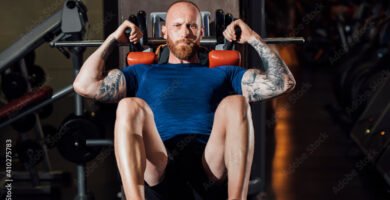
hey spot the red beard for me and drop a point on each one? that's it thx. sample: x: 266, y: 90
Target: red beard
x: 183, y: 49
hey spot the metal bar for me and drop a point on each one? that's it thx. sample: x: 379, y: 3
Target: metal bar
x: 76, y: 56
x: 29, y: 41
x: 55, y: 97
x: 99, y: 143
x: 285, y: 40
x: 263, y: 111
x: 81, y: 183
x: 156, y: 18
x: 343, y: 38
x: 155, y: 42
x: 206, y: 22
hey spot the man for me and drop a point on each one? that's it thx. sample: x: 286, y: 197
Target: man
x: 182, y: 126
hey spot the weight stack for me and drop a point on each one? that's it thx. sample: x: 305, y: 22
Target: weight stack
x: 372, y: 131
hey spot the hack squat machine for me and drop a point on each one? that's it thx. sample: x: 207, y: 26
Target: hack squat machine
x: 65, y: 30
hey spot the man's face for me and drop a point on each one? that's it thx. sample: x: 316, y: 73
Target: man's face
x: 183, y: 30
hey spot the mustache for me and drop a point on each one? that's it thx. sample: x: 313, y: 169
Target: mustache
x: 186, y: 40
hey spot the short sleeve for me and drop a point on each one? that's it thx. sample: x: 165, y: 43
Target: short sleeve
x: 133, y: 75
x: 234, y: 74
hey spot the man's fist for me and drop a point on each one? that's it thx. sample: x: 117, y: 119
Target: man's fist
x: 120, y: 36
x: 246, y: 32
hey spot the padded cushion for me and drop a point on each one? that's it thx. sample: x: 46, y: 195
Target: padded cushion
x: 224, y: 57
x: 213, y: 59
x: 134, y: 58
x: 27, y: 100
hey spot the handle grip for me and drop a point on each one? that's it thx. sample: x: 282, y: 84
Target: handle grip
x: 219, y: 25
x: 133, y: 47
x: 141, y: 18
x: 229, y: 45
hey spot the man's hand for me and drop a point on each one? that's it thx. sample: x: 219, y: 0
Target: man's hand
x: 246, y: 32
x: 120, y: 36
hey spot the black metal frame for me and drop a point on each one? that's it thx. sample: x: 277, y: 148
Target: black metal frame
x: 30, y: 41
x: 255, y: 17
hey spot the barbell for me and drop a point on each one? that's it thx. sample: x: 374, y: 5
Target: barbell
x: 156, y: 42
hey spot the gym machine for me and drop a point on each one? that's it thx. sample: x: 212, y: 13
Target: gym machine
x: 64, y: 30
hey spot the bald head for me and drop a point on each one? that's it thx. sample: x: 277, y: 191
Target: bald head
x: 183, y: 7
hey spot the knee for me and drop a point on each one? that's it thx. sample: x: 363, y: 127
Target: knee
x: 131, y: 108
x: 235, y: 107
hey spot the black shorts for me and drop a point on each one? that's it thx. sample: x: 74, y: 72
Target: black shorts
x: 185, y: 177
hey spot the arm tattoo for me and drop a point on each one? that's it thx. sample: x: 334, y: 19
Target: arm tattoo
x: 109, y: 48
x: 112, y: 87
x: 274, y: 80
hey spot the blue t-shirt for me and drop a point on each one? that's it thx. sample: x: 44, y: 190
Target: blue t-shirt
x: 183, y: 97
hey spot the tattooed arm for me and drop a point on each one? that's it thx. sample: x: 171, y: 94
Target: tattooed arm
x: 91, y: 83
x: 257, y: 84
x: 276, y: 79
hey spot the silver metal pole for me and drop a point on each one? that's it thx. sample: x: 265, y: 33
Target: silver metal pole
x: 76, y: 60
x: 99, y: 143
x: 81, y: 186
x: 77, y: 57
x: 156, y: 42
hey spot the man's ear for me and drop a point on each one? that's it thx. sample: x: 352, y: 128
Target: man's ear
x: 201, y: 34
x: 164, y: 31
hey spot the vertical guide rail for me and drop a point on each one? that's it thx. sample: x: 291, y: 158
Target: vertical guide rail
x: 77, y: 56
x: 262, y: 112
x: 253, y: 13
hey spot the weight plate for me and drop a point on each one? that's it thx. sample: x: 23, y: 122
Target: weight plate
x: 74, y: 133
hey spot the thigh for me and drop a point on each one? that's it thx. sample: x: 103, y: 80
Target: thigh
x: 155, y: 152
x: 154, y: 146
x: 213, y: 158
x: 227, y: 113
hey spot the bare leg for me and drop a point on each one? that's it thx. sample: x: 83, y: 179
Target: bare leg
x: 139, y: 150
x: 233, y: 133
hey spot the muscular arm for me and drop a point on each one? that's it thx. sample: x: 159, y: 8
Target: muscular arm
x: 256, y: 84
x: 276, y: 79
x: 90, y: 81
x: 112, y: 88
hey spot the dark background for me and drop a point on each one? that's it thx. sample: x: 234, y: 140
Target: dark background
x: 309, y: 135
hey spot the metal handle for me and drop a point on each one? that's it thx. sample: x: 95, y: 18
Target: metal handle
x: 230, y: 45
